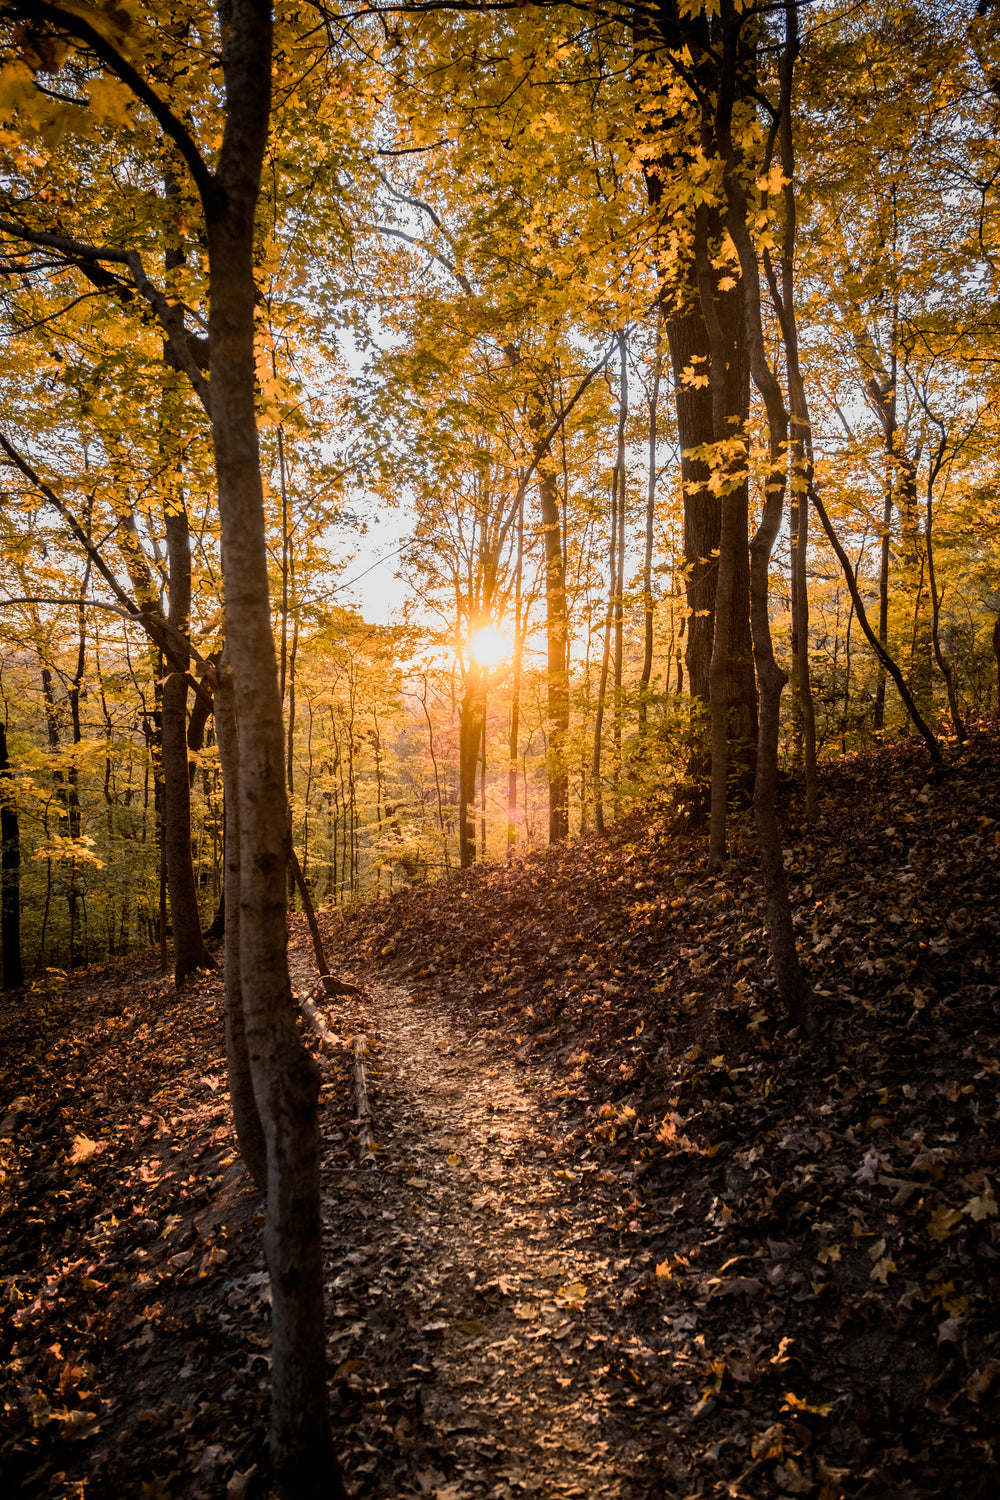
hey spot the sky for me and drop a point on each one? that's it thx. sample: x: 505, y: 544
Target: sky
x: 370, y: 585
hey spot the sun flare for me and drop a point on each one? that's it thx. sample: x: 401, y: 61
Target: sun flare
x: 490, y: 646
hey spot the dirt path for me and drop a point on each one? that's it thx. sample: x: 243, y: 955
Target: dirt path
x: 471, y: 1321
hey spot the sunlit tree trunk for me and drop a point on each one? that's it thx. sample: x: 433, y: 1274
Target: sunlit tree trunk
x: 471, y: 722
x: 556, y: 633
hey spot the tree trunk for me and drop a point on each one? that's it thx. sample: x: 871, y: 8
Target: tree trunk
x: 285, y: 1080
x: 515, y: 706
x: 602, y: 690
x: 647, y: 562
x: 791, y: 984
x: 10, y: 874
x: 881, y: 654
x: 190, y: 953
x: 246, y: 1116
x: 944, y: 665
x: 878, y: 718
x: 619, y: 582
x: 556, y: 637
x: 723, y: 464
x: 470, y: 735
x: 690, y: 354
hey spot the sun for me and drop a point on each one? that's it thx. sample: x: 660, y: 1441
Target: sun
x: 490, y: 646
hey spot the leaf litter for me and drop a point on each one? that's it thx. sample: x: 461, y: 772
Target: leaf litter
x: 618, y: 1233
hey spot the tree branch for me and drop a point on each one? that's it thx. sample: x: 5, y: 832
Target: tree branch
x: 76, y: 26
x: 175, y: 646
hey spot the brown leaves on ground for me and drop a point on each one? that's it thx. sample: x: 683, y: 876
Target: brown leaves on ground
x: 821, y: 1219
x: 134, y: 1334
x: 624, y: 1234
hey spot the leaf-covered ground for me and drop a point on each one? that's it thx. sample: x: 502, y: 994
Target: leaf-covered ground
x: 624, y: 1235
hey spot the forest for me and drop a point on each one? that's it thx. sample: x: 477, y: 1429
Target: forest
x: 663, y: 336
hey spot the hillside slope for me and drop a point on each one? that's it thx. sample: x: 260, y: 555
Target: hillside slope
x: 624, y: 1234
x: 825, y: 1214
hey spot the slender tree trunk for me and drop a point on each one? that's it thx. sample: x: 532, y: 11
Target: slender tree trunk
x: 515, y: 705
x: 482, y: 787
x: 619, y: 588
x: 800, y: 463
x: 878, y: 715
x: 10, y: 874
x: 944, y: 665
x: 602, y: 690
x: 647, y: 563
x: 470, y: 735
x: 556, y: 635
x: 190, y: 953
x: 881, y: 654
x: 437, y: 778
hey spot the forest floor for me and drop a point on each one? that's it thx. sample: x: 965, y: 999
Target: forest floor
x: 622, y: 1233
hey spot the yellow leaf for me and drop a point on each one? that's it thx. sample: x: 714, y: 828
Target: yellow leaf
x: 573, y: 1295
x: 942, y: 1221
x: 111, y: 101
x: 982, y: 1207
x: 83, y: 1148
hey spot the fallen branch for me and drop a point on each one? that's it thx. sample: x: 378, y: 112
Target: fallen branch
x: 317, y: 1023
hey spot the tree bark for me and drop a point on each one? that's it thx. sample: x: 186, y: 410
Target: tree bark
x: 285, y: 1080
x: 190, y: 953
x: 771, y: 679
x: 647, y: 562
x: 556, y: 635
x: 246, y: 1116
x: 470, y: 737
x: 10, y: 874
x: 690, y: 355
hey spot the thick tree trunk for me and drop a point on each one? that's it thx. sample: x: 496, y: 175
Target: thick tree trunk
x: 10, y: 874
x: 721, y: 387
x: 690, y: 357
x: 285, y: 1081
